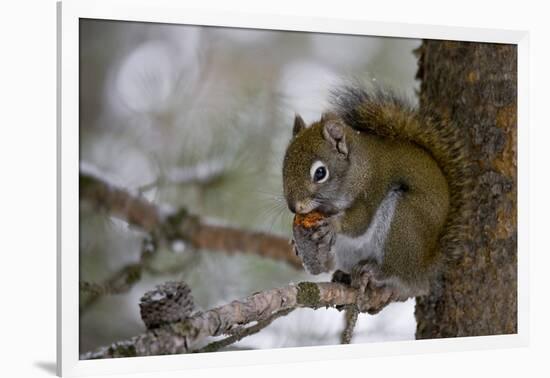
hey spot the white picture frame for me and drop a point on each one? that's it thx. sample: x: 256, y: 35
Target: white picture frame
x: 167, y: 11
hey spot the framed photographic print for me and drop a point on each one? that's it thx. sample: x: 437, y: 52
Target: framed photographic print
x: 283, y: 189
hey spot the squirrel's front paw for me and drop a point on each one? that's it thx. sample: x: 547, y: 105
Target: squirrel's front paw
x: 313, y: 245
x: 373, y: 293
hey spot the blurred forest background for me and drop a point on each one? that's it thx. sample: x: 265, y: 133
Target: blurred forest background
x: 199, y: 117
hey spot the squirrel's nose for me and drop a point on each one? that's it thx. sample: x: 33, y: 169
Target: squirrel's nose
x: 292, y: 207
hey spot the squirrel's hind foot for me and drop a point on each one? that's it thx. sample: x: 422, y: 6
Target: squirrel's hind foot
x: 373, y: 293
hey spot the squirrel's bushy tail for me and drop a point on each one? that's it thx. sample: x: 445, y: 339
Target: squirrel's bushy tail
x: 382, y: 113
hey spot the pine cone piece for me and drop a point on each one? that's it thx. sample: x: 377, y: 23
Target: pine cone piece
x: 167, y: 303
x: 308, y: 220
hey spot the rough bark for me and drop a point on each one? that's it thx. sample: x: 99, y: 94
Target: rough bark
x: 473, y: 85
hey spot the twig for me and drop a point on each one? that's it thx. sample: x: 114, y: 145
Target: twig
x: 119, y: 283
x: 241, y: 333
x: 181, y: 225
x: 350, y: 317
x: 122, y: 280
x: 183, y: 336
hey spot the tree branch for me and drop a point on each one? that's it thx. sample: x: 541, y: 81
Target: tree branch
x: 184, y: 336
x: 181, y: 225
x: 351, y: 314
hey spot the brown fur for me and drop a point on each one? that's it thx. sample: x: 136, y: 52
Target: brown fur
x: 386, y: 146
x: 382, y: 113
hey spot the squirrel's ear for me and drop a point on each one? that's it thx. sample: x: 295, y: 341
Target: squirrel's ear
x: 299, y: 125
x: 333, y: 132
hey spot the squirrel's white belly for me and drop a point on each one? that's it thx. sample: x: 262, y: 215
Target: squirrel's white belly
x: 349, y: 251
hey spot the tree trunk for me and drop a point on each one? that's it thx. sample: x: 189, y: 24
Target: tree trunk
x: 474, y: 85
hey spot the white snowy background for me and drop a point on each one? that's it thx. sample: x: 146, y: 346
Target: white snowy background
x: 200, y: 117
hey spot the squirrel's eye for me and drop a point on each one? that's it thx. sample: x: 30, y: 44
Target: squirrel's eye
x: 319, y: 172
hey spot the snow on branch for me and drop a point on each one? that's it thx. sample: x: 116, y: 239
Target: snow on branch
x: 179, y: 224
x: 193, y: 330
